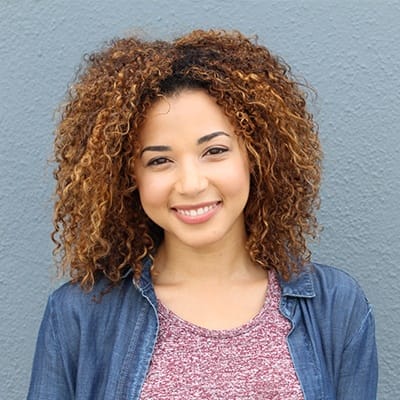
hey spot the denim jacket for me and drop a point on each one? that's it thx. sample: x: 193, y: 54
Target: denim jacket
x: 95, y: 350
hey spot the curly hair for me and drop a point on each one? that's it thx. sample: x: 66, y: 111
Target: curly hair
x: 100, y: 228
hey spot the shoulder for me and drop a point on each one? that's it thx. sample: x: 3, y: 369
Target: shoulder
x: 331, y: 297
x: 338, y: 290
x: 325, y: 289
x: 70, y: 303
x: 70, y: 294
x: 317, y: 280
x: 337, y: 285
x: 328, y: 278
x: 76, y: 320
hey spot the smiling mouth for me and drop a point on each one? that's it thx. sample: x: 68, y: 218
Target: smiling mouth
x: 196, y: 212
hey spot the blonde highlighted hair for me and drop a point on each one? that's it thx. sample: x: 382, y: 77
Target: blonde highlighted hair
x: 100, y: 228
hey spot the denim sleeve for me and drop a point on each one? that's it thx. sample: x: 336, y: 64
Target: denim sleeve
x: 48, y: 378
x: 359, y: 368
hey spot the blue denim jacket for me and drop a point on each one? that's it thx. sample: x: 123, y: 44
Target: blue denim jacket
x: 102, y: 350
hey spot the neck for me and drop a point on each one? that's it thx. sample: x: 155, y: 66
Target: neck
x: 177, y: 263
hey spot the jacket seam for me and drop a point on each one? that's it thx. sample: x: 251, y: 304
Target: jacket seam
x: 360, y: 330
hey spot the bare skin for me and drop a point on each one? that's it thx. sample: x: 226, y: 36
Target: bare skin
x: 218, y: 290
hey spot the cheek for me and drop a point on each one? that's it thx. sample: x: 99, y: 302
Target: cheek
x: 241, y: 184
x: 240, y: 171
x: 153, y: 193
x: 237, y: 178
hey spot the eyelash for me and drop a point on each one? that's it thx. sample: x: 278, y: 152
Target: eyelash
x: 157, y: 161
x: 213, y: 151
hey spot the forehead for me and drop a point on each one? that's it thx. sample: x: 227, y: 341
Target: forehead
x: 191, y: 111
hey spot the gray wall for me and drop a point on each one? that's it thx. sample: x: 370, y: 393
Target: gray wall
x: 349, y: 50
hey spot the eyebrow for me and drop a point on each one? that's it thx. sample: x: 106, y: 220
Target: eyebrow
x: 203, y: 139
x: 210, y: 136
x: 155, y: 148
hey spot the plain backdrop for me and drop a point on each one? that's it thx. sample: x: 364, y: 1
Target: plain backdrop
x: 348, y: 50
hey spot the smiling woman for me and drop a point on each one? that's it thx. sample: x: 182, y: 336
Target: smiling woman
x: 188, y: 176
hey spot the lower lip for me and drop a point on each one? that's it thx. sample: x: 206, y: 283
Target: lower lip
x: 198, y: 219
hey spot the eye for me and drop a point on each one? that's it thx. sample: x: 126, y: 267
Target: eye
x: 157, y: 161
x: 215, y: 151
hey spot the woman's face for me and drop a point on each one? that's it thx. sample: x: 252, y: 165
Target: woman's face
x: 192, y: 173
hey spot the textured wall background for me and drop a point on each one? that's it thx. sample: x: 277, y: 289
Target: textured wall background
x: 349, y: 50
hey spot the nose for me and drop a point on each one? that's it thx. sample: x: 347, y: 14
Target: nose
x: 191, y: 179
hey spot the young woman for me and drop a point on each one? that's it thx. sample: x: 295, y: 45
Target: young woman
x: 187, y: 185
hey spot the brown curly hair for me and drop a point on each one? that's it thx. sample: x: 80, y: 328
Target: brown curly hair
x: 100, y: 228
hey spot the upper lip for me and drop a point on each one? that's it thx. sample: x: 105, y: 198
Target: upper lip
x: 195, y: 206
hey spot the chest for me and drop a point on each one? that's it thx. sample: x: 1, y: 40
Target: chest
x: 249, y: 361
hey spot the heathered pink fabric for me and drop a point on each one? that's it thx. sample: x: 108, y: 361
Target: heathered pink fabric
x: 249, y: 362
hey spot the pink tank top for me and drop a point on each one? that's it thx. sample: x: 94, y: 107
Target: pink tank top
x: 249, y: 362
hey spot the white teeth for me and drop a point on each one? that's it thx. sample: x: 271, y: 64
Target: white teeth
x: 196, y: 212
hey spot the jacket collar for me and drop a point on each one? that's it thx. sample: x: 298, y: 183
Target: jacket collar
x: 300, y: 285
x: 145, y: 276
